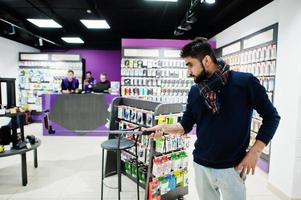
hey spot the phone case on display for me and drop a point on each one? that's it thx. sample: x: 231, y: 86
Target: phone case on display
x: 271, y: 84
x: 139, y: 119
x: 120, y: 112
x: 149, y: 118
x: 139, y: 63
x: 121, y: 125
x: 154, y: 82
x: 154, y: 190
x: 274, y: 52
x: 137, y: 91
x: 150, y: 63
x: 126, y: 113
x: 122, y: 91
x: 133, y: 115
x: 131, y: 63
x: 158, y: 73
x: 126, y: 63
x: 273, y: 68
x: 127, y: 72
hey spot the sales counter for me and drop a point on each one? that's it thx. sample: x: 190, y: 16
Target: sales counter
x: 70, y: 112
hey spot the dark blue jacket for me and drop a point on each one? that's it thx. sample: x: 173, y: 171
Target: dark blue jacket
x: 222, y: 139
x: 89, y: 87
x: 66, y: 85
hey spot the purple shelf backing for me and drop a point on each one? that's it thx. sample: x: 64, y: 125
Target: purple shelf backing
x: 162, y: 43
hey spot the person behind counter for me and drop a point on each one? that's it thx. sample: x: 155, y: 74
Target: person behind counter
x: 103, y: 85
x: 69, y: 84
x: 89, y: 82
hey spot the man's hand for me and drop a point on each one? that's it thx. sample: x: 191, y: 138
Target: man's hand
x: 175, y: 129
x: 158, y: 131
x: 65, y: 91
x: 248, y: 164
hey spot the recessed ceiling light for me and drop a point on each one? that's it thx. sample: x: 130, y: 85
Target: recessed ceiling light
x: 95, y: 24
x: 89, y: 11
x: 210, y: 1
x: 45, y: 23
x: 164, y: 0
x: 75, y: 40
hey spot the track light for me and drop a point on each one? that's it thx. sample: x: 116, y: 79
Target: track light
x: 178, y: 32
x: 210, y: 1
x: 13, y: 31
x: 184, y: 27
x: 40, y: 42
x: 191, y: 16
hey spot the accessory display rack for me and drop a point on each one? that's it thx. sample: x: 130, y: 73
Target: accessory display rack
x: 41, y: 73
x: 256, y: 54
x: 157, y: 184
x: 155, y: 74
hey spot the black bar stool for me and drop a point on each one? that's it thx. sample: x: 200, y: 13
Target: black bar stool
x: 118, y: 145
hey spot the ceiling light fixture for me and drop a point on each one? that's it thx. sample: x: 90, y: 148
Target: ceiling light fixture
x: 13, y: 30
x: 45, y: 23
x: 185, y: 27
x: 191, y: 16
x: 210, y: 1
x: 40, y: 42
x: 95, y: 24
x: 163, y: 0
x: 178, y: 32
x: 73, y: 40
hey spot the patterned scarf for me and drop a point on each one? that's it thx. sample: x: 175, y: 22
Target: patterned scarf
x: 210, y: 88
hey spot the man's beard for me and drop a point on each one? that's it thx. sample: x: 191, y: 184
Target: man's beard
x: 201, y: 77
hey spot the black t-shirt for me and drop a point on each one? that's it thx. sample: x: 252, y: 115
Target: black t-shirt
x: 101, y: 86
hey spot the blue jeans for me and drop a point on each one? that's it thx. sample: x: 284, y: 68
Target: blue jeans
x: 213, y: 183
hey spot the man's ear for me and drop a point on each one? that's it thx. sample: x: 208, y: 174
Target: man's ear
x: 206, y: 61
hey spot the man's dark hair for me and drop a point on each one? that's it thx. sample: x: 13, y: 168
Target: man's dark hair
x: 71, y: 71
x: 104, y: 74
x: 198, y: 48
x: 89, y: 72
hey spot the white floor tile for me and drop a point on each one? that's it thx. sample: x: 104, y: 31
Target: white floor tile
x: 69, y: 169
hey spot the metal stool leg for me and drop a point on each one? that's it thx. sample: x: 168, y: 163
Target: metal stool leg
x: 102, y: 173
x: 137, y: 167
x: 118, y: 173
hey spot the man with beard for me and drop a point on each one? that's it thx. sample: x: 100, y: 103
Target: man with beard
x: 221, y: 104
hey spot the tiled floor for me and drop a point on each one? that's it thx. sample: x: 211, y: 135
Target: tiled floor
x: 69, y: 169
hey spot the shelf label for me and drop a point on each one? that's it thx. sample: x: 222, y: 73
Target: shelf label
x: 172, y: 53
x: 231, y: 49
x: 37, y: 56
x: 65, y: 57
x: 258, y: 39
x: 150, y: 53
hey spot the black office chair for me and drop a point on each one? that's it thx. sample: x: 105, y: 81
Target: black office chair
x: 119, y: 144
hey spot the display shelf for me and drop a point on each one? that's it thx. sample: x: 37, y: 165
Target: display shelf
x: 44, y: 76
x: 151, y: 113
x: 160, y: 154
x: 258, y: 57
x: 159, y: 68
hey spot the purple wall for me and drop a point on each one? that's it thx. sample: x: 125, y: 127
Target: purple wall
x: 98, y: 61
x: 109, y: 61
